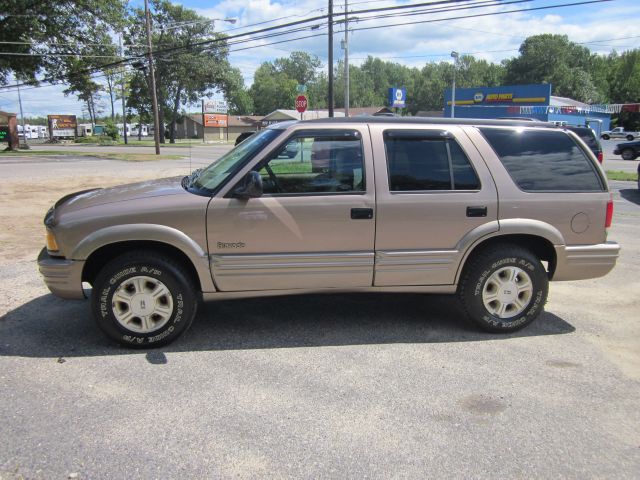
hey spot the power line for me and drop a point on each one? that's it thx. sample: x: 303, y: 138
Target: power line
x: 225, y: 40
x: 49, y: 54
x: 483, y: 14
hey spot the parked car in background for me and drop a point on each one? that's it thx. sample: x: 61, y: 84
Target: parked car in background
x: 628, y: 151
x: 589, y: 137
x: 619, y: 132
x: 243, y: 136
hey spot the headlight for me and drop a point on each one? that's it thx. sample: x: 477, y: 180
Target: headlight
x: 52, y: 245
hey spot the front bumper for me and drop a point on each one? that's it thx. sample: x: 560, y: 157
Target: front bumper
x: 63, y: 277
x: 585, y: 261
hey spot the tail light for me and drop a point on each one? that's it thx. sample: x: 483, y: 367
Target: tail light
x: 609, y: 219
x: 600, y: 157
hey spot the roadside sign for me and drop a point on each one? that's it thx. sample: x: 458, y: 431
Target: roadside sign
x: 215, y: 106
x: 301, y: 88
x: 215, y: 120
x: 301, y: 103
x: 4, y: 134
x: 62, y: 125
x: 398, y: 97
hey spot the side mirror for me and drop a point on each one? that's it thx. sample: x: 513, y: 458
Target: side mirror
x: 251, y: 186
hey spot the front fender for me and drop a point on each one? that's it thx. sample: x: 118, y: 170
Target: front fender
x: 148, y: 232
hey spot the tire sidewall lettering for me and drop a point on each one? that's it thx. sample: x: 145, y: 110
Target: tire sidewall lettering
x: 533, y: 309
x: 121, y: 276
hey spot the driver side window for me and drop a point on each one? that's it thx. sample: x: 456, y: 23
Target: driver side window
x: 316, y: 165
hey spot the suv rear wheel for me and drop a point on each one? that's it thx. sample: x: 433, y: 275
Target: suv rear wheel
x: 504, y: 288
x: 142, y: 299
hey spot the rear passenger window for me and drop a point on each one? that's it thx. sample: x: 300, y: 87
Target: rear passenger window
x: 543, y: 160
x: 419, y: 161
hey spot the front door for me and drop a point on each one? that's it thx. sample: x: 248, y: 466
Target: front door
x: 314, y: 225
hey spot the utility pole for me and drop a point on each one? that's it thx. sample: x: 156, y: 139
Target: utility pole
x: 152, y: 79
x: 346, y: 58
x: 24, y: 131
x: 124, y: 109
x: 330, y: 16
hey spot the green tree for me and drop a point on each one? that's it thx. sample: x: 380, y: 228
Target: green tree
x: 624, y: 77
x: 274, y: 83
x: 185, y: 70
x: 51, y: 27
x: 237, y: 96
x: 550, y: 58
x: 272, y: 90
x: 110, y: 130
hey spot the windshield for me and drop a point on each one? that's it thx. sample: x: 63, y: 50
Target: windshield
x: 215, y: 174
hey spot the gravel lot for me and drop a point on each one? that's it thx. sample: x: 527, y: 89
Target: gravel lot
x: 340, y: 386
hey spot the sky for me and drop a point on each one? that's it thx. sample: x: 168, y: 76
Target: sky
x: 602, y: 27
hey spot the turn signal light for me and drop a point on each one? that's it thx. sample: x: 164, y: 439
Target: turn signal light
x: 609, y: 219
x: 52, y: 245
x: 600, y: 157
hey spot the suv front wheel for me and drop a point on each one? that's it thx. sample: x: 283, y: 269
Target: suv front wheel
x: 142, y: 299
x: 504, y: 288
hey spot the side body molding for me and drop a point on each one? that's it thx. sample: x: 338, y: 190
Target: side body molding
x: 149, y: 232
x: 510, y: 226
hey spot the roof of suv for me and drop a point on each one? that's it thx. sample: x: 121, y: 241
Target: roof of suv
x: 432, y: 121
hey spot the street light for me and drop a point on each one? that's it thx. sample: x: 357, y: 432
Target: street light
x: 454, y: 55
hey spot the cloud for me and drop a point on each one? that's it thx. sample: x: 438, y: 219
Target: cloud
x: 492, y: 38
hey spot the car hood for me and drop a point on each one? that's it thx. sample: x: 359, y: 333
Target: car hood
x: 121, y: 193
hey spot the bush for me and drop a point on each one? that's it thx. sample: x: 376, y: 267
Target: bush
x: 111, y: 131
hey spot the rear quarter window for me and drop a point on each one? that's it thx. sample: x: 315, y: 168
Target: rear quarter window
x: 544, y: 161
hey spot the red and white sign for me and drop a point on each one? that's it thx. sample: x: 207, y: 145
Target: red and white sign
x: 215, y: 120
x: 301, y: 103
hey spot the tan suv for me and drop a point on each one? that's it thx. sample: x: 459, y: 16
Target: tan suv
x: 490, y: 210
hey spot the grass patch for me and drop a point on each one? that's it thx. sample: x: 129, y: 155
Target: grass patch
x: 135, y: 157
x: 36, y: 153
x: 620, y: 175
x: 124, y: 157
x: 289, y: 167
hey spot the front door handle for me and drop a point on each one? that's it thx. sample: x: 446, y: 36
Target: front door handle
x: 361, y: 213
x: 478, y: 211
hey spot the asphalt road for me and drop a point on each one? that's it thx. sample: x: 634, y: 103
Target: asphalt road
x: 332, y: 386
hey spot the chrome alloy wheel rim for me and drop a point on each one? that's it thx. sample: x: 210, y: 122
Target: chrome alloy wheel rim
x: 507, y: 292
x: 142, y: 304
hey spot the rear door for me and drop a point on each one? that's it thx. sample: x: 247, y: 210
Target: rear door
x: 435, y: 196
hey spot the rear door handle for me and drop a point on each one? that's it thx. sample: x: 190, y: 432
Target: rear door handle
x: 478, y: 211
x: 361, y: 213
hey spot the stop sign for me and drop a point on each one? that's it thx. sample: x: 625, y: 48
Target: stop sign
x: 301, y: 103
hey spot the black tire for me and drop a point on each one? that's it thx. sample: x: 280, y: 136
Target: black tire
x: 630, y: 137
x: 628, y: 154
x: 478, y: 273
x: 606, y: 137
x: 181, y: 301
